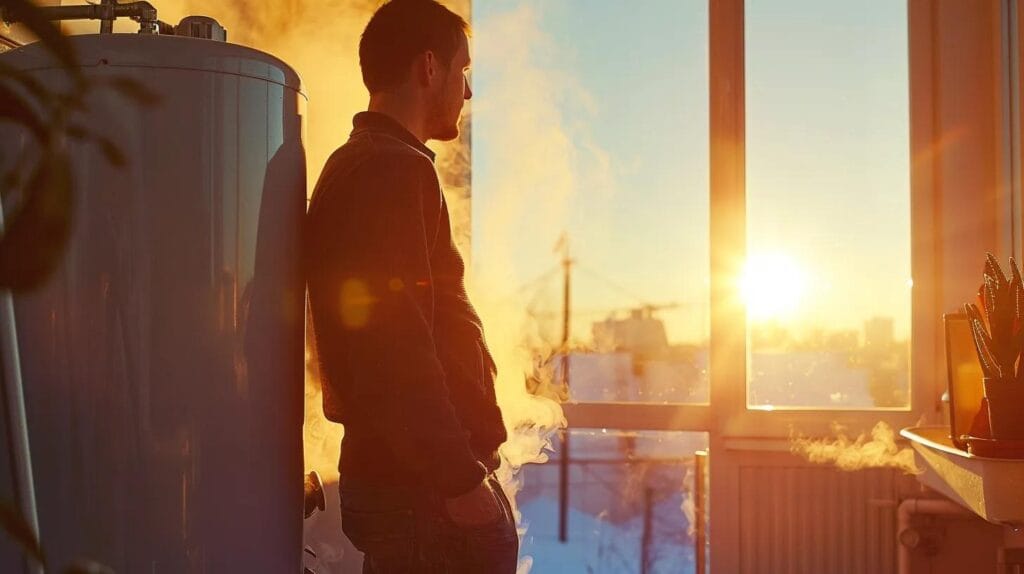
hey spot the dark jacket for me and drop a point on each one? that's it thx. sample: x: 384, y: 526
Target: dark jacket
x: 402, y: 356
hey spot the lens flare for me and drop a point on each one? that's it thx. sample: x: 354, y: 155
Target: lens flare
x: 773, y: 285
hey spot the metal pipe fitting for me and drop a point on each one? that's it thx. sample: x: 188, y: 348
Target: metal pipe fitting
x: 909, y: 537
x: 109, y: 10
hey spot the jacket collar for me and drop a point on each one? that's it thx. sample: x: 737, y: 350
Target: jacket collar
x: 378, y: 122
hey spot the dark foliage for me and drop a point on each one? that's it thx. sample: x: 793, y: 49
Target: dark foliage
x: 38, y: 194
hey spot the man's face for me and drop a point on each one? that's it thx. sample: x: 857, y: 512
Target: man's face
x: 451, y: 92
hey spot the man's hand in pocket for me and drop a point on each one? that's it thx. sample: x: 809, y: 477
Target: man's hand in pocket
x: 475, y: 508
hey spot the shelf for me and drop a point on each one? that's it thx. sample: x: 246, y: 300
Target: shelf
x: 990, y: 487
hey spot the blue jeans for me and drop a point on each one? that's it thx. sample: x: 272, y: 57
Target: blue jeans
x: 406, y: 530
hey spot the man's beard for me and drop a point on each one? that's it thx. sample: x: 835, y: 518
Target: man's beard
x: 448, y: 132
x: 446, y: 128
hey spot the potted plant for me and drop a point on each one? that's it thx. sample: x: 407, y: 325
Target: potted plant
x: 997, y: 325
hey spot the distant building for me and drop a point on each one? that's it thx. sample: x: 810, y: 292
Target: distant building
x: 771, y: 336
x: 639, y: 333
x: 847, y: 341
x: 878, y: 333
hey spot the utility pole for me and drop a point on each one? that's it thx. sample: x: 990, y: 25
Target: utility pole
x: 563, y: 461
x: 566, y: 309
x: 700, y: 465
x: 648, y: 532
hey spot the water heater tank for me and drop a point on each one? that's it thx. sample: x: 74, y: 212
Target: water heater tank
x: 163, y: 362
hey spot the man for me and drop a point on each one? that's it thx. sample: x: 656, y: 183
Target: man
x: 402, y: 355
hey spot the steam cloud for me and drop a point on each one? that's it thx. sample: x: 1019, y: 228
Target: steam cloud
x: 880, y: 451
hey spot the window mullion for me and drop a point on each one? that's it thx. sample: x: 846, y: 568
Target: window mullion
x: 728, y: 210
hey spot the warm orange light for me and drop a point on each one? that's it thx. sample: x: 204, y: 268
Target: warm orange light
x: 356, y: 303
x: 773, y: 286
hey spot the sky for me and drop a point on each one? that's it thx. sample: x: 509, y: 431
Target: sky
x: 617, y: 93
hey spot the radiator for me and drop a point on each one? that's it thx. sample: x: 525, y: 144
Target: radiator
x: 811, y: 520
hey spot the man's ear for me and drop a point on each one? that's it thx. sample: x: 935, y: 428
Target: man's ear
x: 429, y: 66
x: 424, y: 68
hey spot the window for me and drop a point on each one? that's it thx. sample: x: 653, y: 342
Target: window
x: 827, y: 280
x: 629, y: 506
x: 798, y: 163
x: 596, y: 123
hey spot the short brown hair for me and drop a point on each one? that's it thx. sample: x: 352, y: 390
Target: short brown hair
x: 399, y: 31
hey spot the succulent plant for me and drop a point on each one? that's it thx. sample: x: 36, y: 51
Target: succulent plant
x: 997, y: 322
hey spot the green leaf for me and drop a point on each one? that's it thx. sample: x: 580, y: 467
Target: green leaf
x: 14, y: 107
x: 37, y: 231
x: 110, y: 151
x: 27, y: 13
x: 133, y: 90
x: 8, y: 181
x: 78, y: 132
x: 108, y: 148
x: 15, y: 525
x: 27, y: 81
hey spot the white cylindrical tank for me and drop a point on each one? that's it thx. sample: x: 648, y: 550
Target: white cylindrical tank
x: 163, y: 362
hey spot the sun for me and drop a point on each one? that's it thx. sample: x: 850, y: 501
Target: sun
x: 773, y: 285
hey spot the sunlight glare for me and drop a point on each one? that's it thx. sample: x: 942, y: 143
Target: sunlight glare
x: 772, y: 285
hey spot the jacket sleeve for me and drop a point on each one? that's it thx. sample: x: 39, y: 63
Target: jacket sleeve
x: 380, y: 265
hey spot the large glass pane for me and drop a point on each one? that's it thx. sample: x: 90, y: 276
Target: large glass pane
x: 628, y: 505
x: 591, y: 125
x: 827, y: 283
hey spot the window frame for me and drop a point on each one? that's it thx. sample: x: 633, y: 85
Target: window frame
x: 727, y: 413
x: 948, y: 236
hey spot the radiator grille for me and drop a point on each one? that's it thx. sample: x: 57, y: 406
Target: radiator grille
x: 800, y: 520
